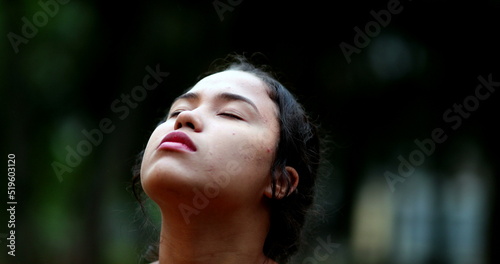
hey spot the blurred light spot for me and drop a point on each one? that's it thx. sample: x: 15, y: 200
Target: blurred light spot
x: 415, y: 219
x: 372, y: 223
x: 466, y: 205
x: 54, y: 57
x: 392, y: 58
x: 67, y: 132
x: 49, y: 71
x: 73, y: 25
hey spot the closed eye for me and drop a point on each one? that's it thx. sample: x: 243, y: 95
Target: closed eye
x: 231, y: 116
x: 174, y: 114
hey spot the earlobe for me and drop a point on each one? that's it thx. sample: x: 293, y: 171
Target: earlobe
x: 281, y: 183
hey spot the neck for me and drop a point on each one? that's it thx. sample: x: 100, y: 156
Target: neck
x: 214, y: 235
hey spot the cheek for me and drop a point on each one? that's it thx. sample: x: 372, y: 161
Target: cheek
x: 255, y: 153
x: 260, y: 152
x: 148, y: 151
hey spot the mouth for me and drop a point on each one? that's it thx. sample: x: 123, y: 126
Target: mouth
x: 177, y: 140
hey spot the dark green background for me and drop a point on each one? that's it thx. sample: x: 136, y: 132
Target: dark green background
x: 65, y: 79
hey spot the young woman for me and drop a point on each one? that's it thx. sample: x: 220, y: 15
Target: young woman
x: 232, y: 169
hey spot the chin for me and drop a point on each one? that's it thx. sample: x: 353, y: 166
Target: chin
x: 164, y: 182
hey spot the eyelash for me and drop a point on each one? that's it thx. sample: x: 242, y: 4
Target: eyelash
x: 176, y: 113
x: 231, y: 116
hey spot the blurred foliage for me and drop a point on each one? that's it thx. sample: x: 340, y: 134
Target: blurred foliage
x: 87, y: 54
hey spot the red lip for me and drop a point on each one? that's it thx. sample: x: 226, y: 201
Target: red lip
x: 177, y: 140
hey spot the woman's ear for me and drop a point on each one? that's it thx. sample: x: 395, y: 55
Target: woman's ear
x: 281, y: 183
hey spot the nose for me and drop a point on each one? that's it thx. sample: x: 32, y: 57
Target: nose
x: 189, y: 120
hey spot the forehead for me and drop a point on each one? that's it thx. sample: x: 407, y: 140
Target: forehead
x: 232, y: 80
x: 237, y: 82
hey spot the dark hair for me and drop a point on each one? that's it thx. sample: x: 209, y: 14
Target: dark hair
x: 298, y: 147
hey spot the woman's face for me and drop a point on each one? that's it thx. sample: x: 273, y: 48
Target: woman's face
x: 219, y: 139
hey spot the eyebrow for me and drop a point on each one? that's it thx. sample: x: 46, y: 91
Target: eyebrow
x: 222, y: 96
x: 188, y: 96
